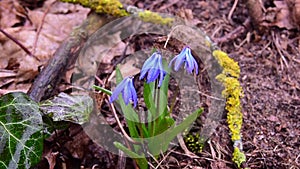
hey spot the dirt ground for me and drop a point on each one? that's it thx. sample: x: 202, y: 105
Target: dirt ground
x: 269, y: 58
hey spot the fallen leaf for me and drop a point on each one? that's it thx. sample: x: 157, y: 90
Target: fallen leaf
x: 7, y: 73
x: 128, y: 69
x: 294, y: 6
x: 283, y: 19
x: 56, y: 26
x: 8, y: 15
x: 51, y: 158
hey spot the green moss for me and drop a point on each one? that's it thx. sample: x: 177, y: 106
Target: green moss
x: 238, y: 157
x: 148, y: 16
x: 111, y: 7
x: 230, y: 66
x: 232, y: 92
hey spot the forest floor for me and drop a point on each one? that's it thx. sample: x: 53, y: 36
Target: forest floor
x: 268, y: 56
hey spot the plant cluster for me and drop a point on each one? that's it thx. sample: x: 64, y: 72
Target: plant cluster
x: 154, y: 135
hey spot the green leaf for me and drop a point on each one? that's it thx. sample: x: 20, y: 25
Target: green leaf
x: 164, y: 124
x: 141, y: 160
x: 163, y: 95
x: 21, y: 134
x: 119, y: 76
x: 160, y: 143
x: 148, y: 97
x: 130, y: 153
x: 108, y: 92
x: 64, y: 107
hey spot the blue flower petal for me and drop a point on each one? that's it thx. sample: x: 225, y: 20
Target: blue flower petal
x: 162, y: 75
x: 127, y: 89
x: 185, y: 56
x: 153, y: 67
x: 133, y: 94
x: 118, y: 90
x: 148, y: 64
x: 152, y: 75
x: 179, y: 60
x: 126, y: 94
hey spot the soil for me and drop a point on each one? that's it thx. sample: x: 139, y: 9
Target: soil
x: 270, y: 77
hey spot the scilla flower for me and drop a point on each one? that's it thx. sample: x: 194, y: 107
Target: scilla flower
x: 185, y: 56
x: 153, y: 66
x: 128, y: 91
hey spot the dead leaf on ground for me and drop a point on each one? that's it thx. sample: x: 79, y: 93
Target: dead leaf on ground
x: 8, y: 17
x: 51, y: 158
x: 283, y: 16
x: 57, y: 25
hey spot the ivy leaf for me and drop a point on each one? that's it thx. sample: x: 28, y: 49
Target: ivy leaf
x: 64, y: 107
x: 21, y: 143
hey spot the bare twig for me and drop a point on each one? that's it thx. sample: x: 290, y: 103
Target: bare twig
x: 279, y: 50
x: 235, y: 33
x: 231, y: 11
x: 165, y: 157
x: 120, y: 125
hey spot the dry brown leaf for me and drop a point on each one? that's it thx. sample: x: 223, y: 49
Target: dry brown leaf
x: 283, y: 19
x: 8, y: 15
x: 5, y: 91
x: 51, y: 158
x: 128, y: 69
x: 56, y: 27
x: 78, y: 147
x: 294, y: 6
x: 7, y: 73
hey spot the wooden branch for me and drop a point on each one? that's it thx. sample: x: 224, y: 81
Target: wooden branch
x: 66, y: 55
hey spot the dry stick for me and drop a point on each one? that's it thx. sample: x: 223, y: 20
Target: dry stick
x: 66, y: 55
x: 235, y: 33
x: 41, y: 26
x: 232, y: 10
x: 120, y: 125
x: 164, y: 158
x: 19, y: 44
x: 279, y: 49
x: 127, y: 138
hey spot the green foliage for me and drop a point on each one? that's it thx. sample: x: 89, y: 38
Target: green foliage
x: 238, y: 157
x: 159, y: 143
x: 141, y: 160
x: 21, y: 134
x: 159, y: 130
x: 64, y: 107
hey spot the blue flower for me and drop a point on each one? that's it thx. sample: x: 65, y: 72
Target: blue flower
x: 185, y: 56
x: 128, y: 91
x: 153, y: 66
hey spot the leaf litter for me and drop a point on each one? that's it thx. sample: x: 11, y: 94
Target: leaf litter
x: 272, y: 87
x: 56, y: 26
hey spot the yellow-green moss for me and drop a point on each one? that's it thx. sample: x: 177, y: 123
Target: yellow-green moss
x: 232, y: 92
x: 148, y: 16
x: 238, y: 157
x: 230, y: 66
x: 111, y: 7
